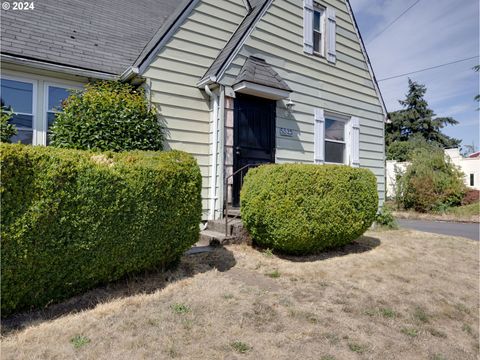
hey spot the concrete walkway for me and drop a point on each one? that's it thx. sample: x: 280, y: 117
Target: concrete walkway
x: 467, y: 230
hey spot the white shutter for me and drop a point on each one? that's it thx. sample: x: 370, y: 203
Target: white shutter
x: 355, y: 142
x: 308, y: 26
x: 331, y: 35
x: 319, y: 136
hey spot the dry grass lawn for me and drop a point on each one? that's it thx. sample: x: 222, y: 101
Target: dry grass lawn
x: 392, y: 295
x: 466, y: 213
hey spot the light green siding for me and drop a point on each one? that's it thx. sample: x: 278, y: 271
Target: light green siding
x: 173, y: 76
x: 345, y: 87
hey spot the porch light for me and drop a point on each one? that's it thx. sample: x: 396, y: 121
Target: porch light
x: 290, y: 104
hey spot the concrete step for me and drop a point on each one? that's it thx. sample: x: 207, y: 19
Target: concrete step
x: 202, y: 241
x: 212, y: 238
x: 234, y: 212
x: 196, y: 249
x: 219, y: 226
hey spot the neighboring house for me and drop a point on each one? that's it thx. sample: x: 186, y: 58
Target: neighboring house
x: 469, y: 166
x: 236, y: 82
x: 393, y: 170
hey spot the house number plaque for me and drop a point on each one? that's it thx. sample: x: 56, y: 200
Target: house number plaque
x: 286, y: 132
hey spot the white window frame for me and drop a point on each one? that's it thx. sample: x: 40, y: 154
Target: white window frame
x: 346, y: 136
x: 60, y: 84
x: 40, y: 97
x: 35, y: 135
x: 322, y: 10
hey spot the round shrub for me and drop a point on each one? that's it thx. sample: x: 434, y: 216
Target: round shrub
x: 301, y: 209
x: 74, y: 219
x: 107, y: 115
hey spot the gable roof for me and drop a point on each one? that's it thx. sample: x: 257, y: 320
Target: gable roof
x: 257, y: 71
x: 258, y: 8
x: 367, y: 59
x: 98, y: 35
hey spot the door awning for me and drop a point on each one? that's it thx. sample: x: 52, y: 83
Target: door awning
x: 257, y: 78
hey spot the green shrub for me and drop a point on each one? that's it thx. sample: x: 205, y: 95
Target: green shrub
x: 404, y: 150
x: 107, y: 116
x: 431, y: 182
x: 73, y: 219
x: 385, y: 218
x: 300, y: 209
x: 7, y: 130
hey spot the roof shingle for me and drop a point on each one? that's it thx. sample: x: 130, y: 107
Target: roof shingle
x: 100, y: 35
x: 258, y: 71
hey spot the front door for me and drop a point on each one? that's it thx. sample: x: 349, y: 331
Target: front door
x: 254, y: 136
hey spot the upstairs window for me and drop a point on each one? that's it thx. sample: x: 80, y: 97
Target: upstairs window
x: 318, y: 30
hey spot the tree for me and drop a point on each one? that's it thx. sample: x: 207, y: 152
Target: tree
x: 7, y: 130
x: 107, y: 115
x: 404, y: 150
x: 468, y: 149
x: 418, y: 120
x: 431, y: 182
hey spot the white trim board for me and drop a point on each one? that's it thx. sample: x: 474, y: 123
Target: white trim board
x: 246, y: 87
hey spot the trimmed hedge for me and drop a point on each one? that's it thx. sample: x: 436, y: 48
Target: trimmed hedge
x: 301, y: 209
x: 74, y: 219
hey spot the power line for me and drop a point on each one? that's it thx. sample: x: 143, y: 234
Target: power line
x: 429, y: 68
x: 394, y: 21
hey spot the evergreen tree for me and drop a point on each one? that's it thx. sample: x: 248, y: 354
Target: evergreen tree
x: 417, y: 120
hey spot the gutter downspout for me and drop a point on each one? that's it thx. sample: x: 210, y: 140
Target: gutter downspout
x: 213, y: 185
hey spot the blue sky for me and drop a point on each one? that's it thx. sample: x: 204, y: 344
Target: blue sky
x: 432, y: 32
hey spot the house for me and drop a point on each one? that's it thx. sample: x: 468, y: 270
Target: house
x: 393, y: 170
x: 236, y: 82
x: 469, y: 166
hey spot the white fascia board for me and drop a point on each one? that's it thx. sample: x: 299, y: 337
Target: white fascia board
x: 246, y: 87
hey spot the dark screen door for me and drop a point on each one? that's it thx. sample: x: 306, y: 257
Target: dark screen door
x: 254, y: 136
